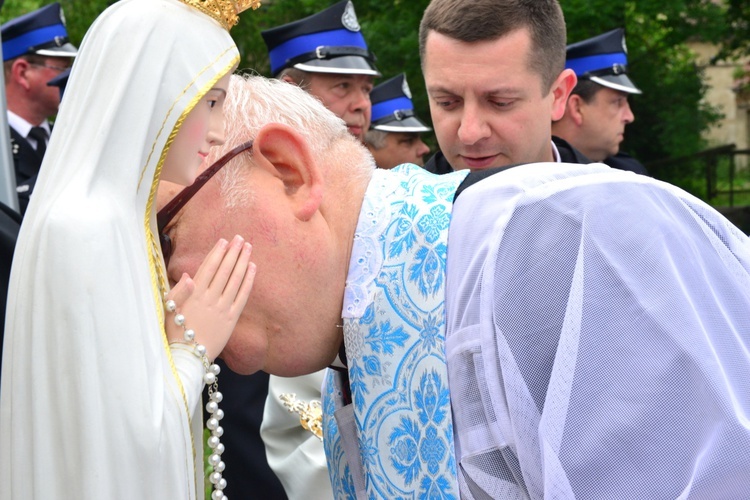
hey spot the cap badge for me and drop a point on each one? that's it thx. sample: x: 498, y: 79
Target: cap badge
x: 405, y: 88
x: 349, y: 18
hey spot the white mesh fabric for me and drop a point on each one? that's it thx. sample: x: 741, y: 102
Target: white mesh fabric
x: 598, y: 339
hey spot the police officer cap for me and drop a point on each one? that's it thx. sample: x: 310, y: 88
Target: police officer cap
x: 327, y: 42
x: 602, y: 59
x: 40, y: 32
x: 392, y: 109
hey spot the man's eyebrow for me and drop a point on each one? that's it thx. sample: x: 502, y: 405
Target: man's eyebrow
x: 216, y: 89
x: 439, y: 89
x: 499, y: 91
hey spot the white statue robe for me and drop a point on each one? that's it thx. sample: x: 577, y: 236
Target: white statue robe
x: 93, y: 403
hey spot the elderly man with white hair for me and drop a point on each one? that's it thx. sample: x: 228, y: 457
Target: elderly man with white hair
x: 491, y: 334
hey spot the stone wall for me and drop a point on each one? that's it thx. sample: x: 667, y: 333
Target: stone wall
x: 723, y: 93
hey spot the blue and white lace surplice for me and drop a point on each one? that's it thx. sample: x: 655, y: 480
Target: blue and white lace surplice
x: 394, y: 330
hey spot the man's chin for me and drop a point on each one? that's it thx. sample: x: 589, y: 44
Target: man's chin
x: 243, y: 363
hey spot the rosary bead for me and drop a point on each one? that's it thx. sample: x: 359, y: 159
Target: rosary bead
x: 210, y: 378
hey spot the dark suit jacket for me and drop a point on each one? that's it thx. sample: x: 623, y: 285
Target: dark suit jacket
x: 624, y: 161
x: 27, y: 162
x: 10, y: 223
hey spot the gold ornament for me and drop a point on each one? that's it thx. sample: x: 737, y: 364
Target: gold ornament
x: 224, y: 11
x: 310, y: 414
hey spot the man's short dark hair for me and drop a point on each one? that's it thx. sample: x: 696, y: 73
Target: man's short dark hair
x: 488, y: 20
x: 586, y: 89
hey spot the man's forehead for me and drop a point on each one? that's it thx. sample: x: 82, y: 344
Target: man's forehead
x: 341, y: 77
x: 404, y: 136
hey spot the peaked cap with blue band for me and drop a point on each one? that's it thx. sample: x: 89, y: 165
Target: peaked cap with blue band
x: 327, y: 42
x: 392, y: 109
x: 602, y: 59
x: 41, y: 32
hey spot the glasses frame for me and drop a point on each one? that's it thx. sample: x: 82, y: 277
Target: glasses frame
x: 56, y: 68
x: 167, y: 213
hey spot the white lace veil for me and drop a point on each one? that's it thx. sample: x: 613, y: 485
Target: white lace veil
x: 91, y: 404
x: 598, y: 339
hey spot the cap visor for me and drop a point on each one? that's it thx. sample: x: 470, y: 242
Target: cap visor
x: 617, y: 82
x: 348, y: 65
x: 409, y: 124
x: 66, y: 50
x: 60, y: 80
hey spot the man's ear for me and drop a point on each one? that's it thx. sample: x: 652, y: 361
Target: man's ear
x: 287, y: 155
x: 18, y: 72
x: 575, y: 109
x: 561, y: 89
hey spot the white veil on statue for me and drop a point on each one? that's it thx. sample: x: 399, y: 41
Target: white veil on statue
x: 92, y: 405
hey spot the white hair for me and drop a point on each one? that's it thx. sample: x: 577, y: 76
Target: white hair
x: 254, y: 101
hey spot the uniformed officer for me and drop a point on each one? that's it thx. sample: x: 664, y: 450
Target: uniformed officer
x: 395, y: 133
x: 35, y: 50
x: 597, y: 110
x: 327, y: 55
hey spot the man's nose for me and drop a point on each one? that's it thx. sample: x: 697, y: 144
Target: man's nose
x: 474, y: 126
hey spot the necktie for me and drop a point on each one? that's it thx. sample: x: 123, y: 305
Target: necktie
x: 40, y: 135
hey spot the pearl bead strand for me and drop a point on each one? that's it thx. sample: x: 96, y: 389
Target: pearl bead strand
x: 211, y: 379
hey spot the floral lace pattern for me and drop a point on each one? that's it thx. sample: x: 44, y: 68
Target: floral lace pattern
x: 394, y: 329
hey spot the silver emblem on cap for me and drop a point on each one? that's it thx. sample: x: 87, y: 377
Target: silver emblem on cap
x: 405, y: 88
x: 349, y: 18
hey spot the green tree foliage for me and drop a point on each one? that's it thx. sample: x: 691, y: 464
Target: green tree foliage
x: 670, y: 115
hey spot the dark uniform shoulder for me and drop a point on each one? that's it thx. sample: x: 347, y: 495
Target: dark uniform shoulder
x: 569, y: 154
x: 624, y: 161
x: 437, y: 164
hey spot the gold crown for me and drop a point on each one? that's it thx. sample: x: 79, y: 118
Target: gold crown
x: 224, y: 11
